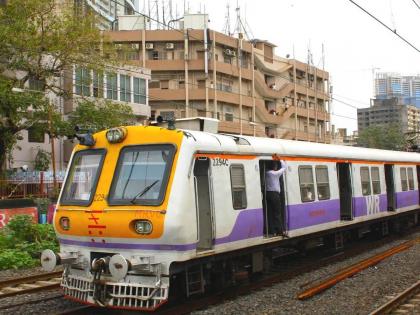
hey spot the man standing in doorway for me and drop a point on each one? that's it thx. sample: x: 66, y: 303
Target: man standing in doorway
x: 275, y: 213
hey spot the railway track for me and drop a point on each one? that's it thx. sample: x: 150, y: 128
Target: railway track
x: 30, y: 284
x: 407, y: 302
x: 356, y: 268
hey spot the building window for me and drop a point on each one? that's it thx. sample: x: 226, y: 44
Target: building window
x: 125, y: 88
x: 227, y: 59
x: 82, y: 81
x: 36, y: 135
x: 365, y: 179
x: 139, y: 90
x: 228, y: 113
x: 404, y: 182
x: 111, y: 86
x: 164, y: 84
x: 322, y: 182
x: 306, y: 181
x: 98, y: 84
x: 410, y: 178
x: 36, y: 84
x: 237, y: 178
x: 376, y: 183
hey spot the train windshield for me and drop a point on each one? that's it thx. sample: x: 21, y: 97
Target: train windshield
x: 142, y: 175
x: 83, y: 177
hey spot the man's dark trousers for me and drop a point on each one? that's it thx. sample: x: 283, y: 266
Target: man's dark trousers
x: 275, y: 214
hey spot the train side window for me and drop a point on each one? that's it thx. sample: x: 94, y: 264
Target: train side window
x: 404, y: 182
x: 410, y: 178
x: 307, y: 187
x: 322, y: 182
x: 376, y: 183
x: 237, y: 179
x: 365, y: 178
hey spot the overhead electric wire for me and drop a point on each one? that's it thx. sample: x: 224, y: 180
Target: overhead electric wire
x: 386, y: 26
x: 352, y: 99
x: 417, y: 5
x: 345, y: 103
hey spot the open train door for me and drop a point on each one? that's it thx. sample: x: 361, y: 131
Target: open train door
x: 390, y: 186
x: 345, y: 190
x: 264, y: 167
x: 204, y: 205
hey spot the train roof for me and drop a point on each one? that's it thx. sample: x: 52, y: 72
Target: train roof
x: 258, y: 145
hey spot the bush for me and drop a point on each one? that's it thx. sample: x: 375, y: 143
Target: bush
x: 14, y: 258
x: 22, y: 241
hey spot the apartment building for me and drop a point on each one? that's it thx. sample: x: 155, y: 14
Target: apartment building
x: 389, y: 111
x: 106, y: 10
x: 196, y: 71
x: 405, y: 87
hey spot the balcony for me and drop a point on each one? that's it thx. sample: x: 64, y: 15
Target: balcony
x: 266, y: 91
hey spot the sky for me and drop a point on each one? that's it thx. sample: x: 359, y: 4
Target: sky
x: 354, y: 43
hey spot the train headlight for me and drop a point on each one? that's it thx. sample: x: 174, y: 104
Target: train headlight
x: 65, y: 223
x: 143, y: 226
x: 116, y: 135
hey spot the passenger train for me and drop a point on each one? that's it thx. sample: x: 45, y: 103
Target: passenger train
x: 149, y: 213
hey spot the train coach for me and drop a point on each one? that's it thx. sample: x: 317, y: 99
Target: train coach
x: 148, y: 213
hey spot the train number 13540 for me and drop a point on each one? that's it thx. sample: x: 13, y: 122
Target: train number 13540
x: 220, y: 162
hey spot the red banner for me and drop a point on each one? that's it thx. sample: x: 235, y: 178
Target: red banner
x: 7, y: 214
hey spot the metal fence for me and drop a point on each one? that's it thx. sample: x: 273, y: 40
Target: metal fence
x: 26, y: 185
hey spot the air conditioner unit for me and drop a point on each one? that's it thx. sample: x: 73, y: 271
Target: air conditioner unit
x: 118, y: 46
x: 170, y: 46
x: 230, y: 52
x: 135, y: 46
x: 149, y: 46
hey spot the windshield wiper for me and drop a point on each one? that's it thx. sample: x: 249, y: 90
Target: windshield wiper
x: 145, y: 190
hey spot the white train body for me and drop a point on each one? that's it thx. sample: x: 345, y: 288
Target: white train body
x: 199, y: 225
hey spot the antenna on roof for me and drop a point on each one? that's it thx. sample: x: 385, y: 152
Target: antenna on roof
x: 226, y: 28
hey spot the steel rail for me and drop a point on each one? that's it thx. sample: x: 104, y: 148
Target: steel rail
x: 353, y: 269
x: 29, y: 284
x: 397, y: 301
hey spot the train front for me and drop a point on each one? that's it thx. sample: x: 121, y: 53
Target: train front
x: 110, y: 216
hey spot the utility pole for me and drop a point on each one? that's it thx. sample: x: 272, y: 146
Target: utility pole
x: 52, y: 147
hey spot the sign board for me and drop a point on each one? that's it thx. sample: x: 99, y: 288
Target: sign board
x: 7, y: 214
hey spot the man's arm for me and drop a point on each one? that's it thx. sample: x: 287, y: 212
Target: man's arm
x: 281, y: 170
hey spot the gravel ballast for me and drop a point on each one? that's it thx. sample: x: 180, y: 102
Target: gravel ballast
x: 360, y: 294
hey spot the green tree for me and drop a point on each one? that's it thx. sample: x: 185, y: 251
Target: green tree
x: 44, y: 38
x: 387, y: 137
x: 18, y: 111
x: 42, y: 160
x: 99, y: 115
x: 41, y: 40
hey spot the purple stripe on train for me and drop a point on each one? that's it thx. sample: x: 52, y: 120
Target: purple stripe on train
x: 183, y: 247
x: 368, y: 205
x: 248, y: 224
x: 312, y: 213
x: 407, y: 198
